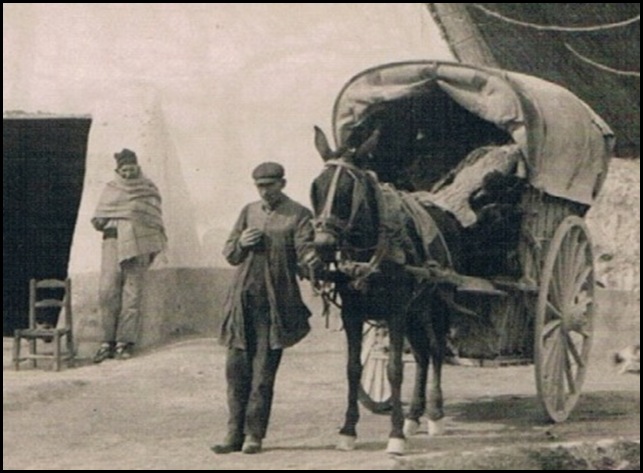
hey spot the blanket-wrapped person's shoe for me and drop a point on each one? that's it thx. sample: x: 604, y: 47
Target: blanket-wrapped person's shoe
x: 104, y: 352
x: 123, y: 351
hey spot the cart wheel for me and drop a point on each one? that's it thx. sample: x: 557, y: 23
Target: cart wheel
x: 374, y: 390
x: 564, y: 318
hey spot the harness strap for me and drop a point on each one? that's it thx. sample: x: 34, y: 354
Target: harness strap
x: 326, y: 213
x: 342, y: 163
x: 328, y: 205
x: 381, y: 248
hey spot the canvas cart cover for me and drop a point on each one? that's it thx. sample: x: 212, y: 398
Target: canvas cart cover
x: 566, y: 145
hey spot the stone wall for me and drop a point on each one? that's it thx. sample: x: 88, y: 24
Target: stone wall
x: 176, y: 303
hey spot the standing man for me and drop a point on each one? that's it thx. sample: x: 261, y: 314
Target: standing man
x: 264, y: 312
x: 130, y: 218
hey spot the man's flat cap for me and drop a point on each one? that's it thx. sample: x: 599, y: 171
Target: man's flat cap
x: 268, y: 172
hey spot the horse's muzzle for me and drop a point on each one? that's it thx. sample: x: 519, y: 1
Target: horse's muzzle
x: 325, y: 244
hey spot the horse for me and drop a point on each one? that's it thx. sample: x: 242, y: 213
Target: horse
x: 374, y: 281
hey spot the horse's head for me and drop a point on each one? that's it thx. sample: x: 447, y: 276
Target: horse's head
x: 345, y: 201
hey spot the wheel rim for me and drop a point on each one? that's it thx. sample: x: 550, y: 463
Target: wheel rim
x: 375, y: 390
x: 564, y: 319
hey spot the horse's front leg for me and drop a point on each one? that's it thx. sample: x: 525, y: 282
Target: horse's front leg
x: 353, y: 328
x: 438, y: 347
x: 396, y: 442
x: 419, y: 341
x: 435, y: 411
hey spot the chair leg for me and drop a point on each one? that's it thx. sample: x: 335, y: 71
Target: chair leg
x: 16, y: 351
x: 33, y: 350
x: 70, y: 348
x: 57, y: 351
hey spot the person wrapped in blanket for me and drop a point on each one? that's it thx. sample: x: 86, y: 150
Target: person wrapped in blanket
x: 130, y: 218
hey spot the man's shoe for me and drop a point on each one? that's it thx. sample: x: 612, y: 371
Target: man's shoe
x: 103, y: 353
x: 251, y: 445
x: 123, y: 351
x: 227, y: 447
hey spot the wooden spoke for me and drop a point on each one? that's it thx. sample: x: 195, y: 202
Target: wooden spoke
x: 557, y: 291
x: 581, y: 280
x: 571, y: 382
x: 550, y: 328
x: 553, y: 309
x: 385, y: 390
x: 580, y: 332
x: 571, y: 346
x: 569, y: 252
x: 558, y: 381
x: 580, y: 259
x: 367, y: 344
x: 552, y: 352
x: 368, y: 374
x: 560, y: 377
x: 374, y: 391
x: 377, y: 389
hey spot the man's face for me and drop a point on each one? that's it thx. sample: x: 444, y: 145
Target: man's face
x: 128, y: 171
x: 270, y: 192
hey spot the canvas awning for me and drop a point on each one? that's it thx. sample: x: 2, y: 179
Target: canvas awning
x: 566, y: 145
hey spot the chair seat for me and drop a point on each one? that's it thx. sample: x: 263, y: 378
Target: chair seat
x: 41, y: 332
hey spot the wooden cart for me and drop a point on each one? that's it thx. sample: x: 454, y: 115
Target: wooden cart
x: 432, y: 114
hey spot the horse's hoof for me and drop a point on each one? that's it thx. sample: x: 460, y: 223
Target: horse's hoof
x: 436, y: 427
x: 346, y: 443
x: 411, y: 427
x: 396, y: 446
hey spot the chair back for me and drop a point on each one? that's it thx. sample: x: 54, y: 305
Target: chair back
x: 50, y: 294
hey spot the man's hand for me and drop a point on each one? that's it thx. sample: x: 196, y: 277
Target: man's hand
x: 99, y: 223
x: 250, y: 237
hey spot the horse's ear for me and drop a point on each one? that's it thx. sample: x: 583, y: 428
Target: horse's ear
x: 368, y: 145
x: 321, y: 143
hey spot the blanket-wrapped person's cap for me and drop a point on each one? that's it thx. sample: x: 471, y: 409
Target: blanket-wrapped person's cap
x: 267, y: 173
x: 126, y: 156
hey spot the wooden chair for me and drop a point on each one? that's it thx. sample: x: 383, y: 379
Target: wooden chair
x: 53, y: 334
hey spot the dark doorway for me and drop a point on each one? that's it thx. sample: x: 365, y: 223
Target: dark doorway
x: 43, y: 167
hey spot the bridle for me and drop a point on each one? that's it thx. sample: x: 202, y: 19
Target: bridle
x: 326, y: 222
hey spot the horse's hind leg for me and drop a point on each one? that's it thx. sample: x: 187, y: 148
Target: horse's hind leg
x: 437, y: 333
x: 396, y: 443
x: 420, y: 344
x: 348, y: 432
x: 435, y: 411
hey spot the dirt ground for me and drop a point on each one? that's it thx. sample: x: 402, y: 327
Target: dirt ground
x: 164, y: 408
